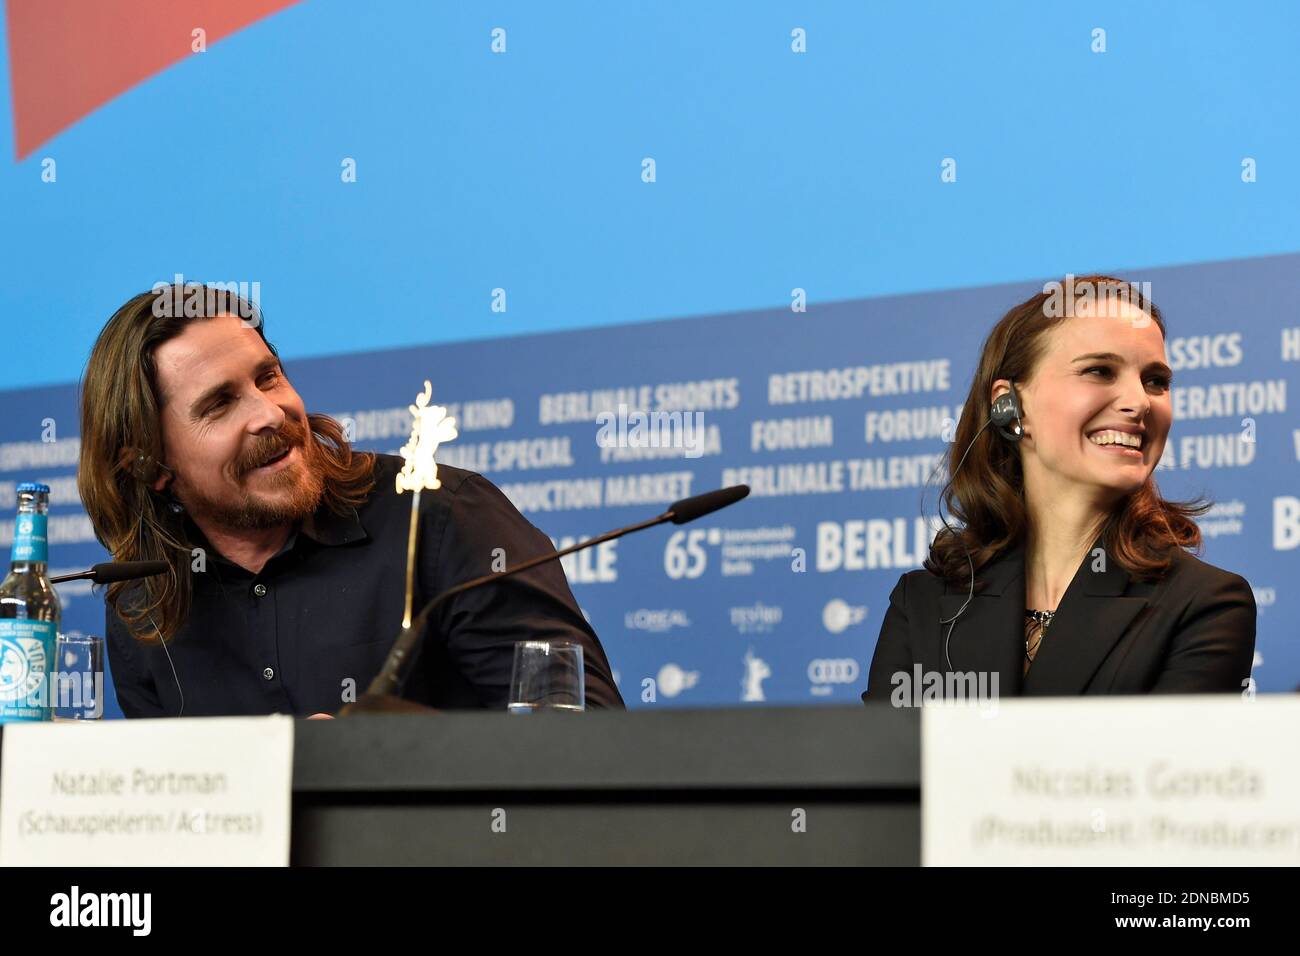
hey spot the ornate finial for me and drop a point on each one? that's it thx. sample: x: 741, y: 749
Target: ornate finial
x: 431, y: 428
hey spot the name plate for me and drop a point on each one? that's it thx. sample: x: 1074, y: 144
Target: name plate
x: 190, y: 792
x: 1167, y: 781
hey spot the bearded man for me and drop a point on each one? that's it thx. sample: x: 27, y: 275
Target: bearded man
x: 286, y: 549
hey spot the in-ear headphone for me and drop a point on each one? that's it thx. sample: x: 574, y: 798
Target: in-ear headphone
x: 1005, y: 416
x: 1005, y: 412
x: 147, y: 469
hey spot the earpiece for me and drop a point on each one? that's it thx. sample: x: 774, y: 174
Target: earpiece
x: 1005, y: 415
x: 147, y: 469
x: 144, y: 466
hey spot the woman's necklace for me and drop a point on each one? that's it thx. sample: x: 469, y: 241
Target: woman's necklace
x: 1036, y: 623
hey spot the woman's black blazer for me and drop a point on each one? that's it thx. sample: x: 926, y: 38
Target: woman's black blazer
x: 1191, y: 632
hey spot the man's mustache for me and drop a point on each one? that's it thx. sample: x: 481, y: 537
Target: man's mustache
x: 265, y: 448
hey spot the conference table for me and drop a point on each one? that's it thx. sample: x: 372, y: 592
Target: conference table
x: 1206, y: 780
x: 795, y: 786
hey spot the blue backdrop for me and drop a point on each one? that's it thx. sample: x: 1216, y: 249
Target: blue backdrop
x: 908, y: 149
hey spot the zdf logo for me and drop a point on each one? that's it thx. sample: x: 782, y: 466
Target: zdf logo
x: 838, y: 615
x: 833, y: 670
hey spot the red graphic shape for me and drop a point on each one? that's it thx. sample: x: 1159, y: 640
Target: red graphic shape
x: 67, y: 58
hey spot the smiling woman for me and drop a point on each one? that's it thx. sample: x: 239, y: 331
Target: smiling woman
x: 1068, y: 569
x: 1072, y: 464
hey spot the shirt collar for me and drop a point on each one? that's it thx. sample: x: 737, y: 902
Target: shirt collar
x: 328, y: 527
x: 324, y: 526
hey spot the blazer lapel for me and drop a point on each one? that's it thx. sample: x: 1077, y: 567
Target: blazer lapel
x: 990, y: 635
x: 1091, y: 618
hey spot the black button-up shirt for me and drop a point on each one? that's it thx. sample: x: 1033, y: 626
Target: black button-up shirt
x: 309, y: 631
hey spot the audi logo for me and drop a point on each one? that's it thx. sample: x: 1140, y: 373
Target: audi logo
x: 841, y: 670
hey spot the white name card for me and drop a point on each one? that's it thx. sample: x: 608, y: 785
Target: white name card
x: 188, y: 792
x: 1150, y: 781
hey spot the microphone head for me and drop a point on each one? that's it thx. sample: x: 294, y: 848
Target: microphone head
x: 688, y: 509
x: 110, y: 571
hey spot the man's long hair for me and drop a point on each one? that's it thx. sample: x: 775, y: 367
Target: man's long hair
x: 120, y: 426
x: 987, y: 494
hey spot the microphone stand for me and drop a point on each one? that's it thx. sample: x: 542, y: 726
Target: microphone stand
x: 383, y: 694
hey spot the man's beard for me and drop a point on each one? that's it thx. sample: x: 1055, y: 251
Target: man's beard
x: 298, y: 488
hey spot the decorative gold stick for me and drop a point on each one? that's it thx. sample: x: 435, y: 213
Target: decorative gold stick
x: 410, y: 557
x: 430, y: 429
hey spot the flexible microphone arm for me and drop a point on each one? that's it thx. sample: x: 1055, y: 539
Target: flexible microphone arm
x: 393, y: 674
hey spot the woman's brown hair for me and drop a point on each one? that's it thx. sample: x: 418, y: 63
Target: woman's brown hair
x: 120, y: 427
x: 986, y: 494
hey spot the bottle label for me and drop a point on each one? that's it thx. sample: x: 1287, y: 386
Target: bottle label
x: 29, y: 538
x: 27, y: 650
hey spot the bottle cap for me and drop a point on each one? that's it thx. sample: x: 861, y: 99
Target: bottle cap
x: 33, y: 486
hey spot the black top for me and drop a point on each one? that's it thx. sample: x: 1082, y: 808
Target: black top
x: 1191, y: 632
x: 317, y: 622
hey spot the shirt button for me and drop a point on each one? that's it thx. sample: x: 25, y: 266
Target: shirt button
x: 268, y: 673
x: 259, y: 590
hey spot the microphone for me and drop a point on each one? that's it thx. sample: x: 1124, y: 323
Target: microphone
x: 388, y: 682
x: 108, y: 572
x: 688, y: 509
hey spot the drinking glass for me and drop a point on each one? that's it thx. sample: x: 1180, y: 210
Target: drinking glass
x: 78, y: 685
x: 547, y: 675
